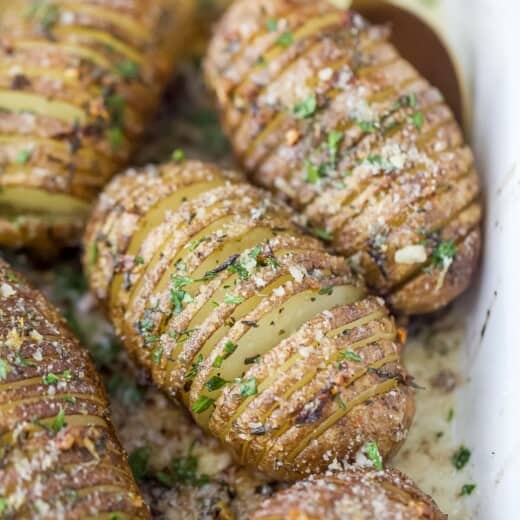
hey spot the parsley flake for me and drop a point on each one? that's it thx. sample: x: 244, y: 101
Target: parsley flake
x: 306, y: 108
x: 351, y: 356
x: 4, y: 368
x: 285, y: 39
x: 248, y: 387
x: 202, y: 404
x: 461, y: 457
x: 22, y: 157
x: 372, y: 451
x: 128, y: 69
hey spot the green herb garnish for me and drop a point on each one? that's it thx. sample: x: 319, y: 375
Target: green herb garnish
x: 307, y: 107
x: 351, y: 356
x: 128, y: 69
x: 467, y: 489
x: 202, y: 404
x: 285, y: 39
x: 59, y: 421
x: 248, y: 387
x: 22, y: 157
x: 139, y: 461
x: 4, y: 368
x: 461, y: 457
x: 215, y: 383
x: 372, y: 451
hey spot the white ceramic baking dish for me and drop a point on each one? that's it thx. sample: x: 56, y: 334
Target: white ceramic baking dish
x: 489, y: 418
x: 484, y: 38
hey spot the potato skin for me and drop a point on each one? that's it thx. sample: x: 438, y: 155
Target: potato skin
x: 270, y: 341
x: 352, y: 494
x: 79, y: 81
x: 58, y: 447
x: 349, y: 133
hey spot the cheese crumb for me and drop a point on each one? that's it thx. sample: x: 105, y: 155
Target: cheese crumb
x: 415, y: 254
x: 6, y: 290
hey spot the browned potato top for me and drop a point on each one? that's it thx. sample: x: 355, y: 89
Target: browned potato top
x: 321, y: 109
x: 270, y: 341
x: 353, y: 494
x: 79, y: 81
x: 60, y: 457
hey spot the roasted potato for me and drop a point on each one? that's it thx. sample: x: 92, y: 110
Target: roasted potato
x: 78, y: 82
x: 60, y: 457
x: 353, y: 494
x: 271, y: 342
x: 321, y: 108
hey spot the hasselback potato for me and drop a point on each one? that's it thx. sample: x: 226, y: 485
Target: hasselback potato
x: 321, y: 109
x: 78, y: 82
x: 60, y: 457
x: 352, y: 494
x: 271, y: 342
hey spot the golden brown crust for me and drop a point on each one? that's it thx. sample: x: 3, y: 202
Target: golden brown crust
x: 78, y: 83
x: 352, y: 494
x: 60, y: 454
x: 321, y: 109
x: 269, y: 340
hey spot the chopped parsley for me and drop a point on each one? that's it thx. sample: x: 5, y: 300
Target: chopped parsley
x: 229, y: 348
x: 215, y: 383
x: 272, y: 25
x: 443, y: 255
x: 139, y: 461
x: 52, y: 379
x: 178, y: 156
x: 285, y: 39
x: 326, y: 290
x: 195, y: 367
x: 467, y: 489
x: 157, y: 356
x: 417, y: 120
x: 341, y: 403
x: 22, y: 157
x: 92, y: 254
x: 180, y: 297
x: 369, y: 127
x: 59, y: 421
x: 125, y: 388
x: 461, y: 457
x: 146, y: 324
x: 196, y: 243
x: 372, y: 451
x: 128, y: 69
x: 232, y: 299
x: 138, y: 260
x: 248, y: 387
x: 351, y: 356
x: 333, y: 142
x: 115, y: 138
x: 46, y: 14
x: 115, y: 105
x: 313, y: 173
x: 183, y: 471
x: 202, y: 404
x: 4, y: 368
x: 322, y: 233
x: 306, y: 108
